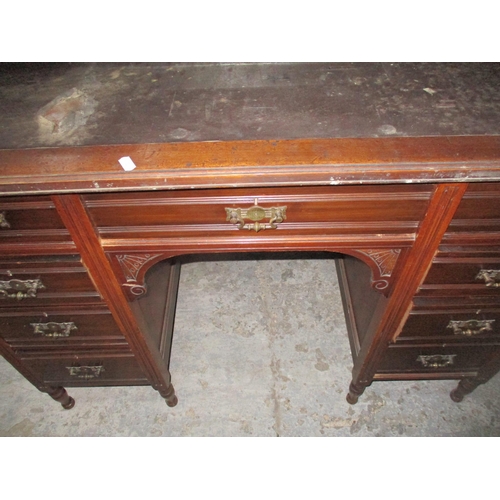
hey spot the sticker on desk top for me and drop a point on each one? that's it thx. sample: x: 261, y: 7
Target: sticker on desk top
x: 127, y: 163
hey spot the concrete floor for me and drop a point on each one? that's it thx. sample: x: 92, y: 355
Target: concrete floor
x: 260, y: 349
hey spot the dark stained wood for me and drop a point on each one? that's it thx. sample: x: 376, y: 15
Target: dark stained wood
x: 60, y: 395
x: 359, y: 209
x: 155, y: 311
x: 57, y: 393
x: 73, y: 213
x: 435, y: 325
x: 90, y: 369
x: 74, y: 104
x: 242, y: 163
x: 395, y: 166
x: 441, y: 209
x: 90, y: 325
x: 359, y: 300
x: 466, y: 358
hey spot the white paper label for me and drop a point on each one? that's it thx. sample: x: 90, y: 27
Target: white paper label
x: 127, y: 163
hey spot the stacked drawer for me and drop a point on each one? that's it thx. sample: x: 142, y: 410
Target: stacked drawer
x: 53, y: 323
x: 454, y: 327
x: 31, y: 221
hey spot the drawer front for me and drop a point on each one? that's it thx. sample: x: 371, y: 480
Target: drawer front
x: 94, y: 370
x: 30, y: 219
x: 42, y: 281
x: 467, y: 273
x: 483, y: 199
x: 452, y: 327
x: 475, y: 227
x: 477, y: 277
x: 453, y: 304
x: 436, y: 359
x: 56, y: 328
x: 320, y: 210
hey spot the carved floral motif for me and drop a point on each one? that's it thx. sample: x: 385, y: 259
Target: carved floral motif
x: 386, y: 261
x: 131, y: 266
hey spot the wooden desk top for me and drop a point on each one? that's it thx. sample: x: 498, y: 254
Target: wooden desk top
x: 65, y: 126
x: 99, y: 104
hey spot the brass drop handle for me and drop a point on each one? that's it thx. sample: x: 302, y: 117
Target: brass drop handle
x: 4, y: 223
x: 437, y: 360
x: 20, y: 289
x: 491, y: 277
x: 471, y: 327
x: 256, y: 213
x: 53, y: 329
x: 86, y: 372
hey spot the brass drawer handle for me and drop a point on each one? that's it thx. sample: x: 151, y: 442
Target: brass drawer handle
x: 53, y: 329
x: 471, y: 327
x: 4, y: 223
x: 86, y: 372
x: 237, y: 216
x: 491, y: 277
x: 437, y: 360
x: 20, y: 289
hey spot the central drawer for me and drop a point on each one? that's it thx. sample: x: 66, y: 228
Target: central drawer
x: 330, y: 210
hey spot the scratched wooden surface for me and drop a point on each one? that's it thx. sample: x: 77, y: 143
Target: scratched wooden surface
x: 96, y: 104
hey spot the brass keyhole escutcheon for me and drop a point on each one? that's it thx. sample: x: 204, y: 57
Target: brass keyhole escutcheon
x: 256, y: 213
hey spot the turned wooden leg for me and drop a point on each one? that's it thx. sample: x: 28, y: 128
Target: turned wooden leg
x: 61, y: 396
x: 169, y: 395
x: 465, y: 386
x: 355, y: 390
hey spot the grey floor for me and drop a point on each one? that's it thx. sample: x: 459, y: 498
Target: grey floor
x: 260, y: 349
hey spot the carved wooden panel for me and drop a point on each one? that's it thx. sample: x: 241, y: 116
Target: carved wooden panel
x: 132, y: 267
x: 385, y: 261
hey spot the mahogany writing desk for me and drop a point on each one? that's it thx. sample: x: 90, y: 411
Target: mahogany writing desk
x: 90, y: 252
